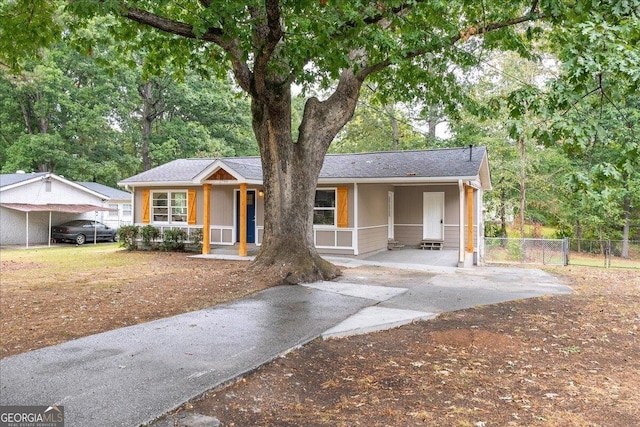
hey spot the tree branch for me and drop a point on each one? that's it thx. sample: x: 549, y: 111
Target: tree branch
x: 463, y: 36
x: 214, y: 35
x: 173, y: 27
x: 271, y: 34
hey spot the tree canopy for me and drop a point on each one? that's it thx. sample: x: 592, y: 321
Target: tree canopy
x: 413, y: 51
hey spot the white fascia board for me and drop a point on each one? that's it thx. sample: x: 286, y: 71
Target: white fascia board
x: 168, y: 184
x: 399, y: 180
x: 21, y: 183
x: 156, y: 184
x: 78, y: 186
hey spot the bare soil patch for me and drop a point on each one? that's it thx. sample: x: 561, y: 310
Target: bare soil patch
x: 567, y: 360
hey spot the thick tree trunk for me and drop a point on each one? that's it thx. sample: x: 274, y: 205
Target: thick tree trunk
x: 290, y: 175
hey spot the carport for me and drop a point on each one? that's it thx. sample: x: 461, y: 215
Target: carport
x: 52, y: 207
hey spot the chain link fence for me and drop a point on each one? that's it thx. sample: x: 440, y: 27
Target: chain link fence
x: 606, y: 253
x: 526, y: 251
x: 599, y: 253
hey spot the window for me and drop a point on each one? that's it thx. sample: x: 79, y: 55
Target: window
x: 113, y: 214
x: 324, y: 209
x: 169, y: 206
x: 126, y: 209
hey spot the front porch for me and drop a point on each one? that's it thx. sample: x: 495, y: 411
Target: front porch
x: 442, y: 258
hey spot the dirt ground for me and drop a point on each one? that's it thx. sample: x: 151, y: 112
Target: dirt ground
x: 570, y: 360
x: 554, y: 361
x: 163, y: 284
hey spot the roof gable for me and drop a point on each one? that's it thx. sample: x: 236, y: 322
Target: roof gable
x: 15, y: 180
x: 11, y: 180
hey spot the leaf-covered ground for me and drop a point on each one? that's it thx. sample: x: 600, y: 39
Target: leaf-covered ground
x: 568, y: 360
x: 45, y: 302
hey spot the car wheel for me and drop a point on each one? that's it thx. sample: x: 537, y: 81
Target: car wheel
x: 80, y: 239
x: 116, y: 237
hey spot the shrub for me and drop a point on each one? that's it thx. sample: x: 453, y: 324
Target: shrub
x: 127, y: 235
x: 149, y: 234
x: 174, y: 240
x: 196, y: 239
x: 492, y: 229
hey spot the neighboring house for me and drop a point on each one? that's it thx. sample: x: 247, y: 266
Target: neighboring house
x: 117, y: 200
x: 422, y: 198
x: 31, y: 202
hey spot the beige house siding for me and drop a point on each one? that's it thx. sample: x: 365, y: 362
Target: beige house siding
x: 372, y: 205
x: 372, y: 217
x: 372, y: 239
x: 222, y: 205
x: 409, y: 215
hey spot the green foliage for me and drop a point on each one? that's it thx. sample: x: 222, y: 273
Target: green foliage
x: 174, y: 240
x: 493, y: 229
x: 149, y: 234
x: 128, y: 235
x: 576, y: 124
x: 27, y: 26
x: 196, y: 238
x: 78, y: 114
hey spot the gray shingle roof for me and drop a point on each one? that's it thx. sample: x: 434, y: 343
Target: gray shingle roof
x: 181, y: 170
x: 111, y: 193
x: 445, y: 163
x: 15, y: 178
x: 440, y: 163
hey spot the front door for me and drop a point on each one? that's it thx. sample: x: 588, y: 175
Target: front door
x: 251, y: 216
x: 433, y: 216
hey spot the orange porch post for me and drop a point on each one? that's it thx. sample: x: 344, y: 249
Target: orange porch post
x: 206, y: 221
x: 242, y: 251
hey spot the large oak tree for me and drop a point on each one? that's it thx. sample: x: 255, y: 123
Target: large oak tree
x: 413, y: 48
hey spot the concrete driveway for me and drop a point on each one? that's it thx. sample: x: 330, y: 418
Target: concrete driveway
x: 131, y: 376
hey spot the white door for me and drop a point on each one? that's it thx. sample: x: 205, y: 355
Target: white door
x: 433, y: 216
x: 390, y: 216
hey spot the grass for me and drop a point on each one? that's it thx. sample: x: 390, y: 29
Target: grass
x: 547, y: 232
x: 86, y: 264
x: 86, y: 256
x: 589, y: 260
